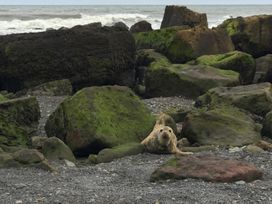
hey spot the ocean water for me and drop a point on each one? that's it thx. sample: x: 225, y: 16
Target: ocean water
x: 22, y: 19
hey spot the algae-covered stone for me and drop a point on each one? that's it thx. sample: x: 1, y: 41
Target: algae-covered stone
x: 256, y: 98
x: 2, y: 98
x: 165, y: 79
x: 267, y: 126
x: 263, y: 69
x: 250, y: 34
x: 18, y: 120
x: 181, y: 44
x: 100, y: 117
x: 108, y: 155
x: 240, y: 62
x: 53, y: 88
x: 55, y: 149
x: 222, y: 125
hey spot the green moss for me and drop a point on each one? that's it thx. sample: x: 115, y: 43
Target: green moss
x: 100, y: 117
x: 171, y: 162
x: 199, y: 78
x: 164, y: 41
x: 18, y: 119
x: 108, y: 155
x: 232, y: 26
x: 2, y: 98
x: 236, y: 61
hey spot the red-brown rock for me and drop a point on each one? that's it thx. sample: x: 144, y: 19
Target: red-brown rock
x: 208, y: 168
x: 181, y: 15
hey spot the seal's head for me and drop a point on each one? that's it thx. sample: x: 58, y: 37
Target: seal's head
x: 164, y: 135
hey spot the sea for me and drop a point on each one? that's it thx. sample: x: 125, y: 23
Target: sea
x: 25, y: 19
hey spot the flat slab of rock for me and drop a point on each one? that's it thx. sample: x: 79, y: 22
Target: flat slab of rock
x: 208, y: 168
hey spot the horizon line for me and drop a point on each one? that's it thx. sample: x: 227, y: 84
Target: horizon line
x: 132, y: 4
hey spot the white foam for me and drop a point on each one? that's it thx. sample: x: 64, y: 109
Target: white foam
x: 38, y: 25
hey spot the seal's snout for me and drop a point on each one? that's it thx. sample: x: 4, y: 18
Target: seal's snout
x: 165, y: 136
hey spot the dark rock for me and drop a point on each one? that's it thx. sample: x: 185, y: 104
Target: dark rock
x: 263, y: 69
x: 250, y: 34
x: 222, y: 126
x: 100, y: 117
x: 53, y: 88
x: 55, y: 149
x: 256, y: 98
x: 142, y: 26
x: 181, y: 15
x: 86, y: 55
x: 180, y: 44
x: 121, y: 25
x: 18, y: 120
x: 207, y: 168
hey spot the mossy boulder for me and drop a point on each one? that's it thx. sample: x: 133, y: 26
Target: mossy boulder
x: 18, y: 120
x: 165, y: 79
x: 267, y: 126
x: 100, y: 117
x: 108, y: 155
x: 240, y: 62
x: 180, y: 44
x: 55, y: 149
x: 222, y: 125
x: 53, y: 88
x: 256, y: 98
x: 2, y: 98
x: 250, y: 34
x: 263, y: 69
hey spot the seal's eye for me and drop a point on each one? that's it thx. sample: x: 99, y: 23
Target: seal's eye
x: 161, y: 130
x: 170, y: 131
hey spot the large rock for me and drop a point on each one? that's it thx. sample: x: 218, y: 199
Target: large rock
x: 223, y: 125
x: 207, y: 168
x: 251, y: 34
x: 263, y: 69
x: 108, y: 155
x: 267, y: 126
x: 142, y: 26
x: 181, y: 15
x: 55, y: 149
x: 165, y: 79
x: 86, y: 55
x: 240, y: 62
x: 256, y: 98
x: 53, y: 88
x: 100, y: 117
x: 181, y: 44
x: 18, y: 120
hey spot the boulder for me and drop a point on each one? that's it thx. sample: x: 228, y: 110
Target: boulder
x: 266, y: 146
x: 86, y: 55
x: 181, y: 15
x: 263, y: 69
x: 253, y: 149
x: 121, y: 25
x: 32, y: 158
x: 55, y: 149
x: 108, y: 155
x: 222, y: 125
x: 141, y: 26
x: 53, y: 88
x: 100, y: 117
x: 240, y: 62
x: 250, y: 34
x: 38, y: 141
x: 267, y: 126
x: 256, y: 98
x: 165, y: 79
x: 18, y: 120
x: 208, y: 168
x: 180, y: 44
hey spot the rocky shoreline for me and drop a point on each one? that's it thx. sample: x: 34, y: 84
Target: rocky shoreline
x: 76, y: 104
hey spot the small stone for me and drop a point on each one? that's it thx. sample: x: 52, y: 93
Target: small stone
x: 240, y: 182
x: 19, y: 202
x: 69, y: 163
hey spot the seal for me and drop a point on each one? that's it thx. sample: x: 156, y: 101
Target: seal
x: 162, y: 140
